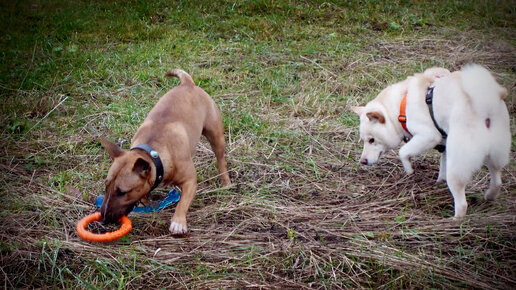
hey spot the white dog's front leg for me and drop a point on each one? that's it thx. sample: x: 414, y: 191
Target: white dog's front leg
x: 417, y: 145
x: 442, y: 168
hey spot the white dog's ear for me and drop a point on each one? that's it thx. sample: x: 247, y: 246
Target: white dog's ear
x: 358, y: 110
x: 503, y: 93
x: 436, y: 72
x: 376, y: 117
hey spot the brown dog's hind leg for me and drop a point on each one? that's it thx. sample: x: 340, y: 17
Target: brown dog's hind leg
x: 214, y: 132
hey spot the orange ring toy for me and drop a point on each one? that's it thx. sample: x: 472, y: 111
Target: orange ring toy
x: 105, y: 237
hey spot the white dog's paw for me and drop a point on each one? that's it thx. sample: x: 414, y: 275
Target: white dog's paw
x: 458, y: 219
x: 407, y: 166
x: 178, y: 228
x: 492, y: 193
x: 440, y: 180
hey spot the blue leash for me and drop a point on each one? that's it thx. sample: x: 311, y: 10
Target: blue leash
x: 173, y: 197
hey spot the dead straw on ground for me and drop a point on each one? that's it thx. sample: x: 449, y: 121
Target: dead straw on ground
x: 301, y: 212
x: 333, y: 227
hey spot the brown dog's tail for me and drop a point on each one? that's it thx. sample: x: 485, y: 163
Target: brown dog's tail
x: 184, y: 78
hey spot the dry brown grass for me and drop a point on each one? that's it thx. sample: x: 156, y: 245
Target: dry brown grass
x: 344, y: 226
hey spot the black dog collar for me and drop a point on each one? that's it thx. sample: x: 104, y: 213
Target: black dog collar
x: 157, y: 162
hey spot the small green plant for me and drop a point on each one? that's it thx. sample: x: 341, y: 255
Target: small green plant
x: 291, y: 234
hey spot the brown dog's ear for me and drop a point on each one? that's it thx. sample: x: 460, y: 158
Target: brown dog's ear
x: 113, y: 149
x: 141, y: 167
x: 376, y: 116
x: 358, y: 110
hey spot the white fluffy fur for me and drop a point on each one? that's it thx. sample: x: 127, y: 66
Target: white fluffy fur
x: 468, y: 105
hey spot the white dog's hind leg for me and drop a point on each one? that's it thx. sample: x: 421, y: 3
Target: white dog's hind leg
x: 495, y: 184
x: 460, y: 164
x: 458, y: 190
x: 498, y: 157
x: 442, y: 168
x: 417, y: 145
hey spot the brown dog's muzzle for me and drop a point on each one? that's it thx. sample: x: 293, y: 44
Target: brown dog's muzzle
x: 111, y: 213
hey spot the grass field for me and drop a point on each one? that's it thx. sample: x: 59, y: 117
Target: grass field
x: 302, y: 213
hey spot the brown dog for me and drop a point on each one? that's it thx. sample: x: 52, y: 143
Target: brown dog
x: 170, y: 133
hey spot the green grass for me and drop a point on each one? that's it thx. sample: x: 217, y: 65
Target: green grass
x: 302, y: 212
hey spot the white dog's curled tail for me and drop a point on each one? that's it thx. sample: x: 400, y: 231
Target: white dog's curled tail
x: 480, y: 85
x: 184, y: 78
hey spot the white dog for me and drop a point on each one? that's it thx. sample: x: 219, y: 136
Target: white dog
x: 465, y: 113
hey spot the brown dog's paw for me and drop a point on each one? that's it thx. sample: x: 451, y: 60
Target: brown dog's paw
x: 227, y: 186
x: 178, y: 228
x: 225, y: 181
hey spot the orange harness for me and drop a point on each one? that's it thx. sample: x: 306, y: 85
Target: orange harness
x: 402, y: 118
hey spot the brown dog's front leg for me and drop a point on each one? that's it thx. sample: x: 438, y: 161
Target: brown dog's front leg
x: 178, y: 223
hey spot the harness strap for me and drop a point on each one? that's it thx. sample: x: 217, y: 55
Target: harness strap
x: 402, y: 118
x: 156, y: 160
x: 429, y: 98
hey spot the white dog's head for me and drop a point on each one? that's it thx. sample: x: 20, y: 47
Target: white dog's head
x: 377, y: 132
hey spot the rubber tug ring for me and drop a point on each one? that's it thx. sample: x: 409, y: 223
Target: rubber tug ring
x: 105, y: 237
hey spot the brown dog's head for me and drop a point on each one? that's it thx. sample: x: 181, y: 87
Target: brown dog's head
x: 127, y: 182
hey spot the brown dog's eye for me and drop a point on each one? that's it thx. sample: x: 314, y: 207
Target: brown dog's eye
x: 120, y: 193
x: 371, y: 141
